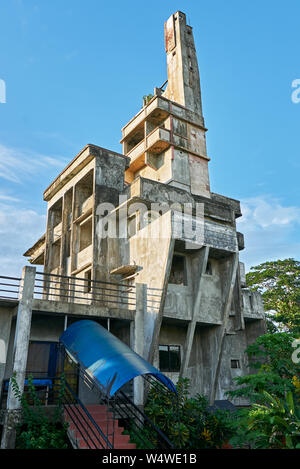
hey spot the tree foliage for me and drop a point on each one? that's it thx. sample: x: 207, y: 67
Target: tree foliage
x: 270, y: 356
x: 279, y: 283
x: 187, y: 422
x: 273, y: 419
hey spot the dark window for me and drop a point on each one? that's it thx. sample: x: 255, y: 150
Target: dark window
x: 42, y: 358
x: 208, y: 270
x: 178, y: 271
x: 169, y: 357
x: 235, y: 364
x: 88, y: 282
x: 132, y: 225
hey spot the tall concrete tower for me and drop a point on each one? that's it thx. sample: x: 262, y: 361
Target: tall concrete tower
x: 183, y: 73
x: 165, y: 141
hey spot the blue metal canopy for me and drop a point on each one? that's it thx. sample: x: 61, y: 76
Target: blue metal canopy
x: 108, y: 359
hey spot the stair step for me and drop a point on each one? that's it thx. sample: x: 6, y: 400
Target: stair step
x: 104, y: 427
x: 119, y: 443
x: 105, y: 422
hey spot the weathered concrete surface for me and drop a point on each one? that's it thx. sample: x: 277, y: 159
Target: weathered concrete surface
x: 20, y: 352
x: 138, y: 338
x: 11, y: 419
x: 84, y: 309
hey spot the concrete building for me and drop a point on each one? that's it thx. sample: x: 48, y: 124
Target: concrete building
x: 115, y: 249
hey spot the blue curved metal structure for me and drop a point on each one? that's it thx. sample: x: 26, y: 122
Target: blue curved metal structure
x: 106, y: 357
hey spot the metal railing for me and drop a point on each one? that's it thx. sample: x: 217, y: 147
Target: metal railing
x: 9, y: 287
x: 80, y: 290
x: 140, y: 427
x: 57, y: 391
x: 154, y: 298
x: 84, y: 425
x: 84, y: 291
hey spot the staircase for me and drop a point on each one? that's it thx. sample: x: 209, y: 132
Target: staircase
x: 83, y: 435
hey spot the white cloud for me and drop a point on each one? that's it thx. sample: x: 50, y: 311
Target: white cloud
x: 19, y: 164
x: 270, y: 230
x: 19, y: 229
x: 266, y: 211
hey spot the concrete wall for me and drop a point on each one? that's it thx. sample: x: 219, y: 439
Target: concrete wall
x: 6, y: 315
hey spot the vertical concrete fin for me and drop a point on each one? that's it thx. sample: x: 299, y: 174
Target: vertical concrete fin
x: 182, y: 65
x: 228, y: 287
x: 203, y: 257
x: 159, y: 318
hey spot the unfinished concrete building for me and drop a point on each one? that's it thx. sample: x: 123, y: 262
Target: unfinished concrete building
x: 107, y: 254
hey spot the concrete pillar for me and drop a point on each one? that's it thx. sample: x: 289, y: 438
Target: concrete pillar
x: 20, y: 353
x: 22, y: 334
x: 138, y: 341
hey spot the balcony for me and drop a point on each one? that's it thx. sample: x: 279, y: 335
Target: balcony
x: 156, y: 106
x: 156, y: 142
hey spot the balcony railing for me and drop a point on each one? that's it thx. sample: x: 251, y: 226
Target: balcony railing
x: 83, y: 291
x: 9, y: 287
x: 68, y: 289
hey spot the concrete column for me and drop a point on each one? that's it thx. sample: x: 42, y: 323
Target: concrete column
x: 138, y: 341
x: 22, y: 334
x: 20, y: 353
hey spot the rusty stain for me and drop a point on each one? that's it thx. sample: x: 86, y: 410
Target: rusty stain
x: 170, y: 40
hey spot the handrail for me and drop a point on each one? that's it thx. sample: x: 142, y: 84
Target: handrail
x: 14, y: 287
x: 127, y: 410
x: 86, y: 280
x: 85, y: 424
x: 83, y: 290
x: 87, y: 418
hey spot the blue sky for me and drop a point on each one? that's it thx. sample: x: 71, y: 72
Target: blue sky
x: 76, y: 71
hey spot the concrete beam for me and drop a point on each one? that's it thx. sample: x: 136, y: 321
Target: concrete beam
x: 6, y: 315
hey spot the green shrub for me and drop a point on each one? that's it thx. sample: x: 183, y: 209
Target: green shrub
x: 187, y: 422
x: 272, y: 424
x: 37, y: 431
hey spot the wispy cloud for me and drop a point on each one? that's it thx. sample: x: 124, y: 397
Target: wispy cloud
x: 8, y: 198
x: 270, y: 229
x: 19, y: 229
x: 17, y: 165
